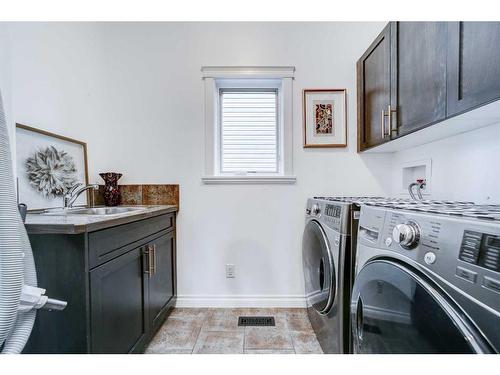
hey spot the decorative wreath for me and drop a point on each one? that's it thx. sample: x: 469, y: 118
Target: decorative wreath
x: 51, y: 172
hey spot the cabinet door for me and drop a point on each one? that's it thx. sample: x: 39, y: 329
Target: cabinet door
x: 374, y: 91
x: 473, y: 65
x: 418, y: 56
x: 118, y: 293
x: 161, y: 281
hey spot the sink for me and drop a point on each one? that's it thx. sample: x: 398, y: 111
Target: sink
x: 104, y: 210
x: 93, y: 211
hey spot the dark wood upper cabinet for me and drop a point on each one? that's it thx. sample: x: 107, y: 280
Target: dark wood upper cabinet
x: 374, y: 91
x: 473, y: 65
x: 416, y: 74
x: 418, y: 61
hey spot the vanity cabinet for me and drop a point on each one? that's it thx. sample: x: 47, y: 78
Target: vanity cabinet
x: 417, y: 74
x: 119, y: 282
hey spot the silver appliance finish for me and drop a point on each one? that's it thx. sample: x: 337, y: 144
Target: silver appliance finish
x: 433, y: 241
x: 327, y: 254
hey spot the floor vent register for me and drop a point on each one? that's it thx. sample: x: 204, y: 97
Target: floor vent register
x: 256, y: 321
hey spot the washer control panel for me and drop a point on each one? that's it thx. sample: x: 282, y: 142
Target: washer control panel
x: 464, y: 252
x: 333, y: 210
x: 332, y: 214
x: 481, y: 249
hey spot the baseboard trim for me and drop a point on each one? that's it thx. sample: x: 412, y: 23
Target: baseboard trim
x: 240, y: 301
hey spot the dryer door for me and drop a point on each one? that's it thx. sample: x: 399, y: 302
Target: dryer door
x: 319, y: 271
x: 394, y: 309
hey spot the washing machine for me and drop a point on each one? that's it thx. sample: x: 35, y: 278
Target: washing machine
x: 328, y: 245
x: 427, y: 279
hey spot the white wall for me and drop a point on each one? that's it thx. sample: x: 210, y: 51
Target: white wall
x: 464, y: 167
x: 5, y: 82
x: 133, y: 92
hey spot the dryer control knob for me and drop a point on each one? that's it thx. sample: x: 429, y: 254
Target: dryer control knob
x: 407, y: 235
x: 315, y: 209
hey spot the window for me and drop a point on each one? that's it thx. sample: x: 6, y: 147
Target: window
x: 249, y: 131
x: 248, y: 125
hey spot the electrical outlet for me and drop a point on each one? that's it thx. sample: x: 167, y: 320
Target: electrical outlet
x: 230, y: 271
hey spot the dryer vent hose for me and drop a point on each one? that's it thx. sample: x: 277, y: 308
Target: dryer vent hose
x: 17, y: 267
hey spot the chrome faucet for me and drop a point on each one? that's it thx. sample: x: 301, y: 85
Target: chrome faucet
x: 420, y: 185
x: 74, y: 192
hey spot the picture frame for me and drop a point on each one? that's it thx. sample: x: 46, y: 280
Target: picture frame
x: 39, y: 151
x: 324, y: 118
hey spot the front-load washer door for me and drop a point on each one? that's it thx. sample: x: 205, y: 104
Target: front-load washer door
x: 395, y: 309
x: 319, y: 271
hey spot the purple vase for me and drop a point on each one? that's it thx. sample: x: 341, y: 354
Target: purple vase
x: 111, y: 192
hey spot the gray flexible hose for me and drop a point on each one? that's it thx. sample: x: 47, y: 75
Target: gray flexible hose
x: 16, y: 259
x: 410, y: 191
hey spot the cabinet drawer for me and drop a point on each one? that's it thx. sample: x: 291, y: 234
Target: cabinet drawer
x: 108, y: 243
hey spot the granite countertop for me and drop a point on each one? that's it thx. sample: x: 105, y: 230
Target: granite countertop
x: 74, y: 224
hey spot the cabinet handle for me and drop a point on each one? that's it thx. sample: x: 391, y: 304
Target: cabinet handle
x: 151, y: 261
x: 382, y: 127
x: 154, y: 259
x: 382, y: 124
x: 146, y: 253
x: 389, y: 113
x: 149, y: 252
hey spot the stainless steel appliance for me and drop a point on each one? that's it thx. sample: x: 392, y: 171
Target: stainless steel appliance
x: 328, y: 246
x: 427, y: 278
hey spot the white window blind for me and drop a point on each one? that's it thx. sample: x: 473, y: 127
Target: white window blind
x: 249, y: 131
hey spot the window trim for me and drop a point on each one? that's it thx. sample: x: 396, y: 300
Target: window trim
x: 216, y: 78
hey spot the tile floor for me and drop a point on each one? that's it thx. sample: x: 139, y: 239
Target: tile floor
x: 216, y: 331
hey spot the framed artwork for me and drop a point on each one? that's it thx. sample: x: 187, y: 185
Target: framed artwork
x: 47, y: 166
x: 325, y: 118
